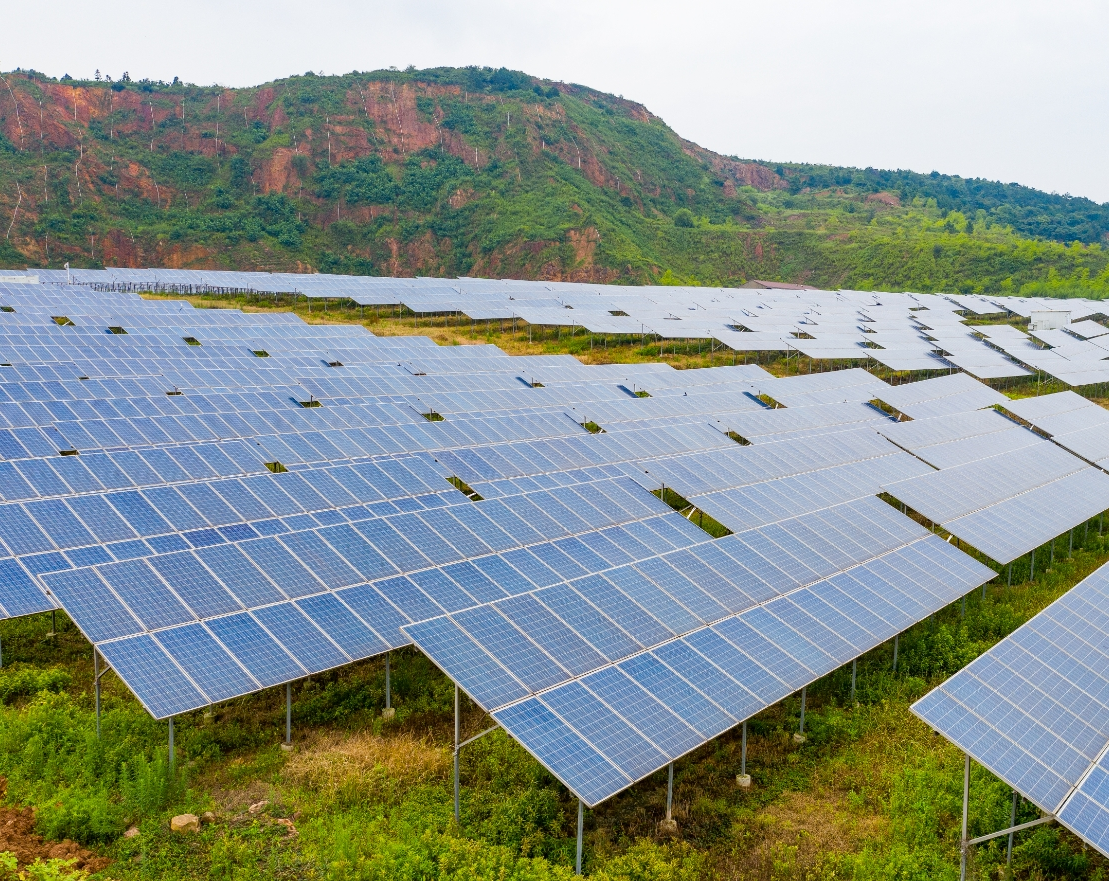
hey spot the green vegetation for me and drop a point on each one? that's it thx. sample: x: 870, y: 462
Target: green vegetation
x: 691, y: 512
x: 490, y: 172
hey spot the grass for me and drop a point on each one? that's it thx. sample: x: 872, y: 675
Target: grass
x: 692, y: 513
x: 870, y: 794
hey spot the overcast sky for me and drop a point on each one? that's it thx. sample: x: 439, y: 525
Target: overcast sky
x: 1010, y: 90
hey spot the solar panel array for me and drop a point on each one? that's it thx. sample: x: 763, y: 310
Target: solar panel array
x: 1034, y: 710
x: 903, y: 332
x: 607, y: 678
x: 1071, y: 421
x: 224, y: 502
x: 1000, y: 488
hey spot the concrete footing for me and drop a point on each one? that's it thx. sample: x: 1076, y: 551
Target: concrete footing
x: 668, y: 827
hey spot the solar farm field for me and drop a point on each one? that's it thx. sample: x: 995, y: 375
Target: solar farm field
x: 372, y: 607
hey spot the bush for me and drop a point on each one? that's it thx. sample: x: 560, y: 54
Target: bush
x: 647, y: 861
x: 23, y: 679
x: 683, y: 218
x: 87, y: 816
x: 148, y: 787
x: 39, y: 870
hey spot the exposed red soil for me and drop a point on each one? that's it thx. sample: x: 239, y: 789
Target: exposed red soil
x: 18, y: 836
x: 885, y: 198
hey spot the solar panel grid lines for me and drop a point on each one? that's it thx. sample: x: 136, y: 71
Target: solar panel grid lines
x: 540, y: 645
x: 325, y: 568
x: 1034, y: 709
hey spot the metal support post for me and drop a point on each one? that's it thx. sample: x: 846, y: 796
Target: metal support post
x: 854, y: 670
x: 456, y: 722
x: 288, y: 714
x: 53, y: 622
x: 96, y: 686
x: 581, y: 817
x: 1032, y: 569
x: 171, y: 743
x: 1012, y: 822
x: 1010, y: 584
x: 966, y: 800
x: 963, y: 611
x: 1070, y: 545
x: 388, y: 683
x: 804, y: 691
x: 895, y: 640
x: 743, y: 752
x: 670, y: 793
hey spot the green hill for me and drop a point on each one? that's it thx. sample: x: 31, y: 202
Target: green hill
x: 489, y: 172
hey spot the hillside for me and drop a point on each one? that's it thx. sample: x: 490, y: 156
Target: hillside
x: 494, y: 173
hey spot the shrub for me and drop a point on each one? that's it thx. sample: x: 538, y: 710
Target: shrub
x: 148, y: 787
x: 647, y: 861
x: 683, y: 218
x: 86, y: 815
x: 39, y: 870
x: 23, y: 679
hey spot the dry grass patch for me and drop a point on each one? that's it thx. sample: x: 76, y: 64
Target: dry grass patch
x: 800, y: 835
x: 357, y: 767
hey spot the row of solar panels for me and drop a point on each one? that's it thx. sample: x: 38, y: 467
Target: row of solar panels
x: 921, y: 332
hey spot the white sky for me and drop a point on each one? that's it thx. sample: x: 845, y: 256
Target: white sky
x: 1010, y: 90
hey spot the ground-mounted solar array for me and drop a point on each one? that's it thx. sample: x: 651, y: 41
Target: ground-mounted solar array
x: 1034, y: 710
x: 901, y: 332
x: 225, y: 502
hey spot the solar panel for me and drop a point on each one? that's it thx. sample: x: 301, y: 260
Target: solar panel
x: 1034, y: 709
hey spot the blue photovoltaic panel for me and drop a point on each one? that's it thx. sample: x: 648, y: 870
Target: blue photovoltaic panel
x: 191, y: 581
x: 689, y: 690
x: 347, y: 631
x: 1034, y: 709
x: 97, y: 611
x: 372, y: 606
x: 282, y: 567
x: 18, y: 594
x: 304, y: 641
x: 144, y: 593
x: 267, y: 661
x: 485, y: 680
x: 584, y: 770
x: 161, y: 686
x: 206, y: 662
x: 231, y: 567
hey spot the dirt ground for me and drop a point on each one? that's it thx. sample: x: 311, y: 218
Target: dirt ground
x: 17, y: 835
